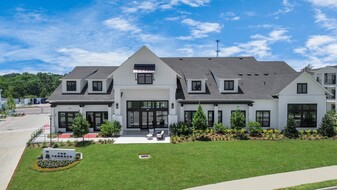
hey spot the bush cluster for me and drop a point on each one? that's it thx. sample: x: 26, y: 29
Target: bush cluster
x: 54, y: 163
x: 18, y: 114
x: 110, y: 128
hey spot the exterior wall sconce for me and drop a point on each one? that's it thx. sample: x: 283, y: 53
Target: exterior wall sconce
x: 172, y: 105
x: 116, y: 105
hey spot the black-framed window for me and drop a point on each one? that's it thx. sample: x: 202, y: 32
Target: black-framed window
x: 71, y: 85
x: 219, y: 116
x: 196, y: 85
x: 188, y: 116
x: 96, y: 119
x: 263, y: 117
x: 229, y: 85
x: 210, y: 118
x: 302, y: 88
x: 97, y: 85
x: 66, y: 119
x: 305, y: 115
x: 145, y: 78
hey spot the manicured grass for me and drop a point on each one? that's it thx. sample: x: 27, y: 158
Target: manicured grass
x: 313, y: 186
x: 176, y: 166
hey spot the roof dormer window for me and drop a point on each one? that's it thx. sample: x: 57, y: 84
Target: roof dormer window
x: 97, y: 86
x: 196, y: 85
x: 229, y: 85
x: 145, y: 78
x: 71, y: 85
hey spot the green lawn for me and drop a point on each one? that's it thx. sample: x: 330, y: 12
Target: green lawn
x: 176, y: 166
x: 313, y: 186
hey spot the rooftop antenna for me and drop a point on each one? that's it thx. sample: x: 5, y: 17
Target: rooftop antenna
x: 217, y: 48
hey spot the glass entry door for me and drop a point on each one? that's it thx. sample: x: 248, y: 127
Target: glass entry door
x: 147, y: 120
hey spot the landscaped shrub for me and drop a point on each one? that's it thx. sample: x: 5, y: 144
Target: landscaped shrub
x: 327, y: 126
x: 53, y: 163
x: 309, y: 135
x: 110, y: 128
x: 180, y: 129
x: 238, y: 120
x: 271, y: 134
x: 199, y: 121
x: 219, y: 128
x: 290, y: 130
x: 255, y: 129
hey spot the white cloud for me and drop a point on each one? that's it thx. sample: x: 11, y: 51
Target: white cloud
x: 192, y: 3
x: 200, y: 29
x: 324, y: 21
x: 231, y: 16
x: 287, y: 7
x: 259, y: 46
x: 121, y: 24
x: 320, y: 50
x: 324, y: 3
x: 147, y: 6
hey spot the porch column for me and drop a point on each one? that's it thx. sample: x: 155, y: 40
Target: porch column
x: 110, y: 112
x: 182, y: 117
x: 81, y: 109
x: 216, y: 109
x: 53, y: 119
x: 250, y: 113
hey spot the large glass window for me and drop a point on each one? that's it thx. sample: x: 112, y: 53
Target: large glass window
x: 263, y: 117
x: 71, y: 85
x: 305, y: 115
x: 147, y: 114
x: 66, y: 119
x: 96, y: 85
x: 188, y: 117
x: 196, y: 85
x: 210, y: 117
x: 302, y: 88
x: 96, y: 119
x: 219, y: 116
x: 145, y: 78
x: 229, y: 85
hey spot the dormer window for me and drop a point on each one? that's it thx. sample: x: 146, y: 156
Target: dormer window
x: 229, y: 85
x: 196, y: 85
x: 71, y: 85
x: 302, y: 88
x: 145, y: 78
x: 97, y: 86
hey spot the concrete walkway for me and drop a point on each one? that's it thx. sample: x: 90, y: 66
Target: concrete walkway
x: 275, y: 181
x: 14, y: 134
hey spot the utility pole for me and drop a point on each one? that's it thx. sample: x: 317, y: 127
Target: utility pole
x: 217, y: 48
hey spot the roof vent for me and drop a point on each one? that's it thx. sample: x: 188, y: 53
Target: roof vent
x: 266, y: 74
x: 209, y: 58
x: 240, y: 57
x: 240, y: 74
x: 249, y: 74
x: 180, y: 59
x: 256, y: 74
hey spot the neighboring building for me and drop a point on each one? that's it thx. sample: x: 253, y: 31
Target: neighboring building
x: 151, y: 92
x: 326, y: 76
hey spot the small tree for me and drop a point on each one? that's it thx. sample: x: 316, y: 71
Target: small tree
x: 110, y: 128
x: 238, y: 120
x: 10, y: 103
x: 290, y: 130
x: 199, y: 120
x: 80, y: 126
x: 255, y: 128
x: 327, y: 126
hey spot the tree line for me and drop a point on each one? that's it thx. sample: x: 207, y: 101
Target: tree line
x: 27, y: 85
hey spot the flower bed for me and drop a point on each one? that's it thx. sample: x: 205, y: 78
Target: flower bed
x: 36, y: 166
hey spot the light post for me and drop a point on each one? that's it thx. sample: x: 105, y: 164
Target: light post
x: 50, y: 136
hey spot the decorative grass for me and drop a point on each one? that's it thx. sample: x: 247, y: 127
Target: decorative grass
x: 176, y: 166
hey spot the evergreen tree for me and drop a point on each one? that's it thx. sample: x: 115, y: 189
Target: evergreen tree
x: 80, y: 126
x: 327, y: 126
x: 290, y: 130
x: 199, y: 120
x: 238, y: 120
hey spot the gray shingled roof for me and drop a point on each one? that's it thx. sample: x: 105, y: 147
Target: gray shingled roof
x: 266, y: 77
x: 259, y: 79
x: 102, y: 72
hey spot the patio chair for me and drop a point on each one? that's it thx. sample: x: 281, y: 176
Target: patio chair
x: 160, y: 135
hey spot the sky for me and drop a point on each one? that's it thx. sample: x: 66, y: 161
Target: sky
x: 57, y: 35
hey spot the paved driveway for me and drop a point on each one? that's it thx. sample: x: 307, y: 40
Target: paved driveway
x: 14, y: 133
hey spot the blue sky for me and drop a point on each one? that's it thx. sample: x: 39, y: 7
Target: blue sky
x: 56, y: 35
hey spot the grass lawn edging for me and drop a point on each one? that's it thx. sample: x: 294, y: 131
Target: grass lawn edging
x: 313, y: 186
